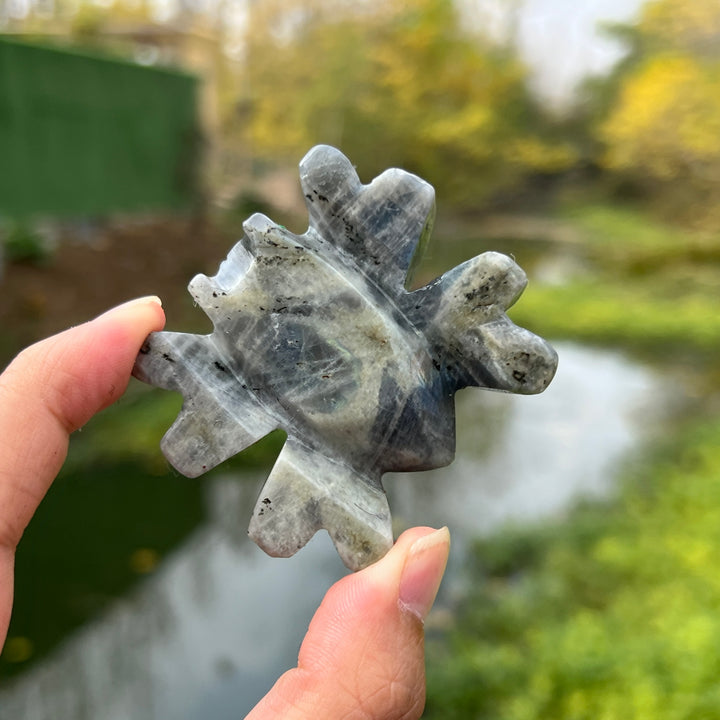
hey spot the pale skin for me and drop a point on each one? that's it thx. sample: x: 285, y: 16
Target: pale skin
x: 363, y: 655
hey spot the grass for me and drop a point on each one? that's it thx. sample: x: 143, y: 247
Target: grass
x: 643, y: 315
x: 647, y: 286
x: 566, y: 621
x: 614, y: 613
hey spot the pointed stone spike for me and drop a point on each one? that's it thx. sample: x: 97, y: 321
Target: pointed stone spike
x: 265, y: 237
x: 211, y: 293
x: 479, y: 290
x: 463, y: 313
x: 520, y: 361
x: 218, y: 419
x: 379, y: 225
x: 161, y: 361
x: 306, y: 492
x: 205, y: 434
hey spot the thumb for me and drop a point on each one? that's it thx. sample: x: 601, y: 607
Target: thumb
x: 363, y: 655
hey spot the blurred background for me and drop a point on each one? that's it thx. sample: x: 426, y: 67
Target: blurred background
x: 581, y: 138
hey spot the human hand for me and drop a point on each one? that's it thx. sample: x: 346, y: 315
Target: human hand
x: 363, y: 655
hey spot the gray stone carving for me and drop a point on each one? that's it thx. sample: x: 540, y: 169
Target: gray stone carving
x: 317, y: 335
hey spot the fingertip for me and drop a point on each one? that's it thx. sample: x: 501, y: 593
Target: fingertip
x: 396, y: 557
x: 121, y: 331
x: 407, y: 577
x: 145, y: 312
x: 82, y: 370
x: 144, y: 300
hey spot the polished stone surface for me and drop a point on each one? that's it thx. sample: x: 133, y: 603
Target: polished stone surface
x: 317, y: 335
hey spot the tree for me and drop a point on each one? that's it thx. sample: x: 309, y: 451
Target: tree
x: 662, y: 128
x: 666, y: 124
x: 688, y: 26
x: 394, y: 83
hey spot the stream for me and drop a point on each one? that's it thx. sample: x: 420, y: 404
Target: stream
x: 207, y: 634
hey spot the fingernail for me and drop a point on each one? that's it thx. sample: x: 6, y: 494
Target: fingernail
x: 423, y: 572
x: 148, y: 300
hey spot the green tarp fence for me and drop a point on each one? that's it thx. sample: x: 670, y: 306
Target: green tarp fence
x: 82, y: 135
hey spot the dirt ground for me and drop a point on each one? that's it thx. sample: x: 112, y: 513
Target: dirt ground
x: 90, y: 272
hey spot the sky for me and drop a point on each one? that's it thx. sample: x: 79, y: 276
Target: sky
x: 560, y: 40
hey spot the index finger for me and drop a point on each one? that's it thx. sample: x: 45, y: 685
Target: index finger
x: 47, y: 392
x: 51, y: 389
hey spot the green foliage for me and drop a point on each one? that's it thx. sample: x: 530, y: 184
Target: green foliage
x: 648, y: 285
x: 77, y: 556
x: 666, y: 121
x: 24, y: 244
x: 613, y: 227
x: 689, y: 26
x: 641, y: 315
x: 614, y: 611
x: 659, y: 123
x: 613, y: 614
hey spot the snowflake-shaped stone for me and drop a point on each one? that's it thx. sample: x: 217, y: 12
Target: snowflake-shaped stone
x: 317, y: 335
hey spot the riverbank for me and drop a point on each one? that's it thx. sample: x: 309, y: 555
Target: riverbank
x: 612, y: 612
x: 123, y: 442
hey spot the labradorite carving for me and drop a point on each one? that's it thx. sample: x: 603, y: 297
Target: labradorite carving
x: 317, y: 335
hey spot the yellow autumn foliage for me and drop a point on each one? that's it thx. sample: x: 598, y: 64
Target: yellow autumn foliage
x: 691, y: 26
x: 399, y: 82
x: 666, y: 124
x: 544, y: 157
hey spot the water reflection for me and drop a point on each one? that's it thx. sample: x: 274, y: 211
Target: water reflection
x: 206, y: 635
x: 527, y: 457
